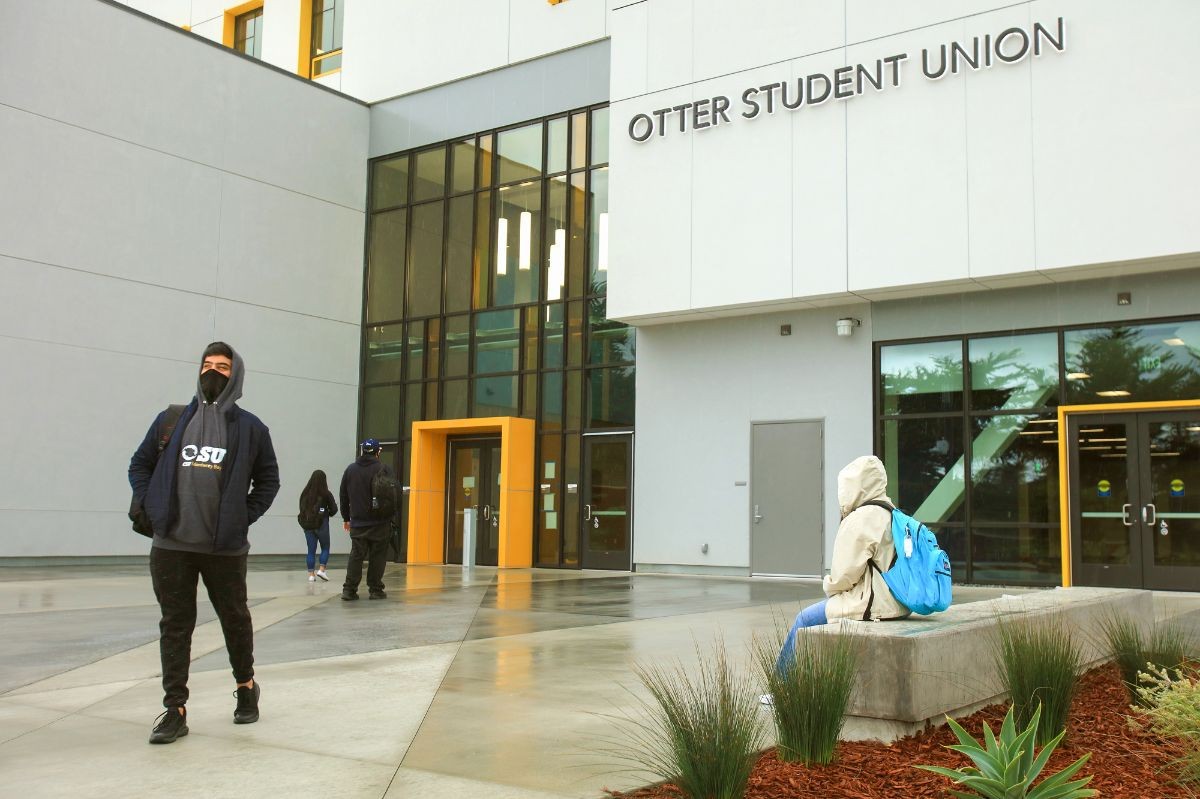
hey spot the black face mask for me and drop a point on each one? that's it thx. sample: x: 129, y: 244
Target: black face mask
x: 212, y: 383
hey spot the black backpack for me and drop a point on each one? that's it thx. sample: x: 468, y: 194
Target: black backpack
x: 385, y: 495
x: 310, y: 518
x: 166, y: 426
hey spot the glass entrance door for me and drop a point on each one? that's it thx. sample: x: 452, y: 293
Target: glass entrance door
x: 1134, y: 522
x: 473, y: 481
x: 607, y: 501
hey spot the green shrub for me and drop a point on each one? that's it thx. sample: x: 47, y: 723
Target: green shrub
x: 1006, y: 767
x: 1165, y: 648
x: 810, y: 696
x: 1172, y: 703
x: 701, y: 732
x: 1038, y: 662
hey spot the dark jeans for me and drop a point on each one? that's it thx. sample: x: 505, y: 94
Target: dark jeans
x: 320, y: 535
x: 370, y: 544
x: 174, y: 575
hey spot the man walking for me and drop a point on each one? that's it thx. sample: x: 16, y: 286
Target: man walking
x: 200, y: 487
x: 368, y: 533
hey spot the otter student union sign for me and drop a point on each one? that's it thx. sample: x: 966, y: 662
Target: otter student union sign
x: 1009, y: 46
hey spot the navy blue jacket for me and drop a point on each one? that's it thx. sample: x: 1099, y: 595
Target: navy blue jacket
x: 249, y: 482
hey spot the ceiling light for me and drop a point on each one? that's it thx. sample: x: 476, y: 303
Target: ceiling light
x: 602, y: 256
x: 502, y: 246
x: 1101, y: 440
x: 1078, y: 375
x: 525, y: 241
x: 1037, y: 432
x: 1164, y: 454
x: 1174, y: 342
x: 1095, y: 449
x: 1043, y: 421
x: 1113, y: 393
x: 1195, y: 429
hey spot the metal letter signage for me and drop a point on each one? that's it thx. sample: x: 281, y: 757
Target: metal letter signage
x: 1010, y: 46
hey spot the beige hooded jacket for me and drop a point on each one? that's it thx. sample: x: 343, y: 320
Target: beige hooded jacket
x: 865, y: 533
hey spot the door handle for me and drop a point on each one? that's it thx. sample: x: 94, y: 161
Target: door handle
x: 587, y: 513
x: 487, y: 512
x: 1125, y: 515
x: 757, y: 516
x: 1153, y: 513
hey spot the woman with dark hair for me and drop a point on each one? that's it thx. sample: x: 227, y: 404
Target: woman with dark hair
x: 316, y: 506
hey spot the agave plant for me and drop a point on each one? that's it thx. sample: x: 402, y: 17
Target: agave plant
x: 1006, y: 767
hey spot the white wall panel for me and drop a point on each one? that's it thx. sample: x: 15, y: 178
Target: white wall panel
x: 650, y: 233
x: 537, y: 28
x: 1115, y: 124
x: 393, y: 48
x: 818, y: 188
x: 287, y: 250
x: 99, y: 204
x: 907, y: 172
x: 669, y: 31
x: 281, y: 33
x: 284, y: 343
x: 291, y: 135
x: 211, y: 29
x: 46, y: 42
x: 101, y: 312
x: 630, y: 51
x: 871, y: 19
x: 730, y: 37
x: 1000, y: 157
x: 741, y: 203
x: 176, y: 12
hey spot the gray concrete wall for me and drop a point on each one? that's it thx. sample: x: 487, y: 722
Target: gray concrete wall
x: 1158, y: 294
x: 506, y: 96
x: 160, y: 193
x: 700, y: 385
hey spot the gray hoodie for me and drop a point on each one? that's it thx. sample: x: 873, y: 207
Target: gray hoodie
x: 200, y: 476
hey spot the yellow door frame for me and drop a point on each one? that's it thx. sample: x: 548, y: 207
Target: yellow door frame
x: 427, y: 488
x: 1064, y: 482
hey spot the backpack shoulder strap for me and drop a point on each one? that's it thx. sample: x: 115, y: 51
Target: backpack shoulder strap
x: 166, y: 427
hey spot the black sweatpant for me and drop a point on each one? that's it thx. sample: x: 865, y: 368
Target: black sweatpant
x: 370, y: 544
x: 174, y: 575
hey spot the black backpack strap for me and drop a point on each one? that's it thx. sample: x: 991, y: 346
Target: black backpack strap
x: 871, y: 567
x: 166, y: 427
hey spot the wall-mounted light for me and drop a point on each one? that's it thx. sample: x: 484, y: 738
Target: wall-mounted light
x: 556, y: 274
x: 846, y: 325
x: 502, y: 246
x: 525, y: 240
x: 602, y: 257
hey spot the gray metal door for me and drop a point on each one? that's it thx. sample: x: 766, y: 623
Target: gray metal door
x: 787, y: 498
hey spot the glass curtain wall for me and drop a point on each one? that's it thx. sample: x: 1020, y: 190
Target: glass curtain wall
x: 967, y: 428
x: 486, y: 268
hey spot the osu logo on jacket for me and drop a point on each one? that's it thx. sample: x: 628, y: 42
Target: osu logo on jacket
x: 202, y: 454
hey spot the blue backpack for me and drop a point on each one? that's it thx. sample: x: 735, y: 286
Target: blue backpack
x: 919, y: 577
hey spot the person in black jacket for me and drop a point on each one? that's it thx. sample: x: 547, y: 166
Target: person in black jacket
x: 215, y: 477
x: 368, y: 535
x: 317, y: 505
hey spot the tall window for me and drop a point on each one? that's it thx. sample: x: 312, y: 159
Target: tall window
x: 968, y: 430
x: 247, y: 32
x: 326, y: 51
x: 485, y: 296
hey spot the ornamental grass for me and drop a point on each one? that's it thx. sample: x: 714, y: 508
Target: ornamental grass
x: 1038, y: 661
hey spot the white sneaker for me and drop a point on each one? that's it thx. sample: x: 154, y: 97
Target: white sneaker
x: 323, y: 576
x: 312, y: 579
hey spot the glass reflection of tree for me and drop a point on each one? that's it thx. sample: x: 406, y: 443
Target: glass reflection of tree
x: 1125, y: 359
x: 924, y: 457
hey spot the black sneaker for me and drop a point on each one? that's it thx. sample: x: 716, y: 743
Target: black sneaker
x: 349, y: 596
x: 247, y: 706
x: 378, y: 595
x: 170, y: 725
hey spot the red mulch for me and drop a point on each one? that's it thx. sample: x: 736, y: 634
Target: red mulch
x: 1127, y: 760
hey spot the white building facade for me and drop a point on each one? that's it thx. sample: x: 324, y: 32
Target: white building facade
x: 702, y: 257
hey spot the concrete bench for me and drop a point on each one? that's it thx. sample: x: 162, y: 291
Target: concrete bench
x: 917, y: 671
